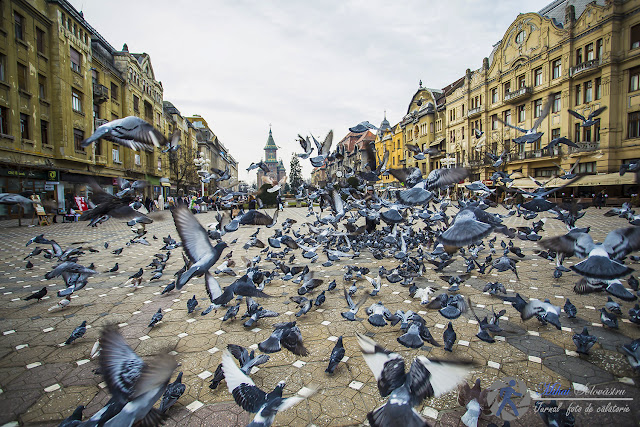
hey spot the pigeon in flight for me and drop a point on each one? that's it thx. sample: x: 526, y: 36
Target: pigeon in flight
x: 589, y: 121
x: 530, y: 135
x: 363, y: 127
x: 196, y: 244
x: 426, y: 378
x: 130, y: 131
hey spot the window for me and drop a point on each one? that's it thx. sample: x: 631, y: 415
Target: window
x: 494, y: 95
x: 599, y: 49
x: 494, y: 122
x: 148, y: 112
x: 22, y: 76
x: 40, y: 40
x: 557, y: 103
x: 462, y: 115
x: 578, y: 56
x: 555, y: 133
x: 586, y: 134
x: 556, y: 70
x: 94, y: 75
x: 520, y: 111
x: 42, y: 86
x: 596, y: 131
x: 115, y: 153
x: 576, y: 132
x: 635, y: 36
x: 4, y: 120
x: 521, y: 82
x: 98, y: 147
x: 521, y: 36
x: 160, y: 164
x: 598, y: 86
x: 24, y: 126
x: 507, y: 88
x: 588, y: 52
x: 537, y: 77
x: 78, y: 137
x: 578, y: 94
x: 537, y: 108
x: 3, y: 68
x: 137, y: 159
x: 76, y: 100
x: 588, y: 91
x: 18, y: 25
x: 507, y: 117
x: 44, y: 132
x: 545, y: 172
x: 114, y: 91
x: 136, y: 103
x: 76, y: 60
x: 589, y: 167
x: 634, y: 125
x: 462, y: 133
x: 634, y: 79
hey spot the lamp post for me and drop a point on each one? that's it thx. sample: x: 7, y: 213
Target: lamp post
x: 202, y: 163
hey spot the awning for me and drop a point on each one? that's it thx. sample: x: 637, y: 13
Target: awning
x: 596, y: 180
x: 525, y: 183
x: 153, y: 180
x: 165, y: 184
x: 436, y: 142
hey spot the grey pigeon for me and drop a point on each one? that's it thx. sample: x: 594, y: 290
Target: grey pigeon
x: 172, y: 393
x: 337, y: 354
x: 157, y: 316
x: 77, y: 333
x: 191, y: 304
x: 584, y: 341
x: 449, y: 337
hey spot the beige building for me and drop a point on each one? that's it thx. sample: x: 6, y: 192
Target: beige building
x: 580, y: 56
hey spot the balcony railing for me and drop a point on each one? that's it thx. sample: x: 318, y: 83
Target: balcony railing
x: 474, y: 112
x: 535, y: 154
x: 584, y: 147
x: 585, y: 67
x: 100, y: 93
x: 101, y: 160
x: 515, y: 96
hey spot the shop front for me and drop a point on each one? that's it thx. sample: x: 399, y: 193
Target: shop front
x: 44, y: 183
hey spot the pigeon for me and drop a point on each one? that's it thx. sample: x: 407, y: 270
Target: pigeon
x: 589, y: 121
x: 191, y: 304
x: 74, y: 419
x: 426, y: 378
x: 553, y: 415
x: 320, y: 299
x: 613, y: 306
x: 634, y: 314
x: 157, y: 316
x: 117, y: 251
x: 114, y: 268
x: 37, y: 295
x: 231, y: 313
x: 469, y: 226
x: 196, y: 244
x: 353, y: 308
x: 337, y: 354
x: 253, y: 399
x: 134, y: 385
x: 475, y: 400
x: 137, y: 274
x: 172, y: 393
x: 287, y: 335
x: 130, y: 131
x: 544, y: 311
x: 411, y: 338
x: 29, y: 265
x: 449, y: 337
x: 584, y: 341
x: 608, y: 319
x: 304, y: 304
x: 570, y: 309
x: 77, y: 333
x: 530, y: 135
x: 171, y: 286
x: 377, y: 314
x: 632, y: 351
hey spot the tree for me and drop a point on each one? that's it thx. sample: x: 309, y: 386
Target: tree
x: 295, y: 173
x: 182, y: 169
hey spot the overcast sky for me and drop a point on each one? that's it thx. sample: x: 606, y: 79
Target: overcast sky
x: 301, y: 66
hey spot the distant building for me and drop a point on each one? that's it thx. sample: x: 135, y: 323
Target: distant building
x: 276, y: 167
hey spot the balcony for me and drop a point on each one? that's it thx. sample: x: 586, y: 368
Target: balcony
x: 584, y: 148
x: 475, y: 112
x: 101, y: 160
x: 534, y: 154
x: 518, y: 95
x: 585, y: 67
x: 100, y: 93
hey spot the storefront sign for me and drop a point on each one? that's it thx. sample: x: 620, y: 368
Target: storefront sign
x: 53, y: 176
x: 48, y: 187
x: 52, y: 182
x: 23, y: 174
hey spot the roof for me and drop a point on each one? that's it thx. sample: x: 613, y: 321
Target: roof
x: 352, y: 139
x: 271, y: 144
x: 555, y: 9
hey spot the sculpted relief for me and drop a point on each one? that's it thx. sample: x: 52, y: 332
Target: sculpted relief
x: 522, y: 40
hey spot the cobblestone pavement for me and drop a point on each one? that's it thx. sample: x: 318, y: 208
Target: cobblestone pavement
x: 42, y: 382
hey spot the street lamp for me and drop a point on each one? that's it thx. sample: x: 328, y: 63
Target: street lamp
x: 202, y: 163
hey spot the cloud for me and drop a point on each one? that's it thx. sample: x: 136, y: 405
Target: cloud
x: 301, y: 66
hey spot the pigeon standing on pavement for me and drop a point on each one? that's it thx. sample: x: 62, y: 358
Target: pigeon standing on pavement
x: 37, y: 295
x: 77, y: 333
x: 570, y: 309
x: 449, y: 337
x: 584, y: 341
x: 157, y: 316
x: 337, y: 354
x: 172, y: 393
x: 191, y: 304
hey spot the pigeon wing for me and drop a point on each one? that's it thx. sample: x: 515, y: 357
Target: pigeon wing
x: 622, y: 241
x: 155, y: 375
x: 387, y: 367
x: 119, y: 363
x: 442, y: 177
x: 212, y: 286
x: 435, y: 377
x: 195, y: 239
x: 577, y: 115
x: 544, y: 113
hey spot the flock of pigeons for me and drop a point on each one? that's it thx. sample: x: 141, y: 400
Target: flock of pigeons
x: 410, y: 228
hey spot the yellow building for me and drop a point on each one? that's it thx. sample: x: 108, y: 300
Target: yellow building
x: 581, y: 57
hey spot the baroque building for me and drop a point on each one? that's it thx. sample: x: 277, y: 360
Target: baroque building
x: 59, y: 80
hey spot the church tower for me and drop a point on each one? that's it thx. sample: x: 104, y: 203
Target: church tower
x: 276, y: 167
